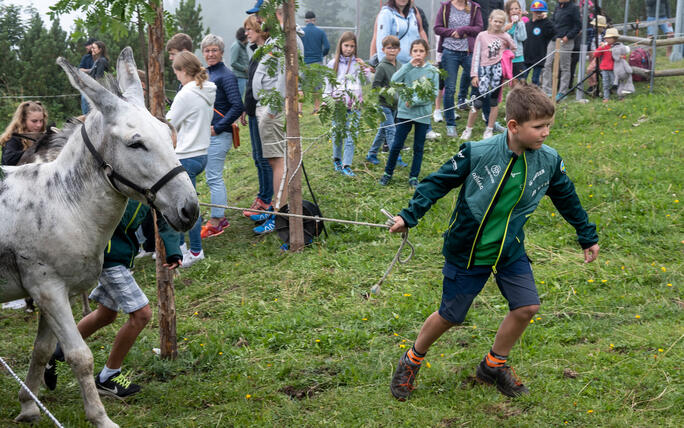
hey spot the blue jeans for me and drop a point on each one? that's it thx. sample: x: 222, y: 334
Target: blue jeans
x: 194, y: 167
x: 84, y: 105
x: 608, y: 78
x: 451, y: 60
x: 403, y: 130
x: 216, y: 158
x: 348, y: 156
x: 385, y: 133
x: 536, y: 74
x: 242, y: 84
x: 264, y: 170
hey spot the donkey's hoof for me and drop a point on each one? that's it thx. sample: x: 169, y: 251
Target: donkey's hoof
x: 107, y: 424
x: 28, y: 417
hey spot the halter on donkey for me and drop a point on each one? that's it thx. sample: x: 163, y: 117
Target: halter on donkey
x: 58, y: 217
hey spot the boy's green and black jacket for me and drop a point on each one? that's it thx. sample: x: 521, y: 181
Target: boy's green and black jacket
x: 482, y: 168
x: 123, y: 246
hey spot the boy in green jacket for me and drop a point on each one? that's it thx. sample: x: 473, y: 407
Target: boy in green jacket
x: 117, y: 290
x: 502, y: 180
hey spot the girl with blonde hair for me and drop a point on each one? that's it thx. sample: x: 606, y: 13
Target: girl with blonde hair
x: 28, y: 122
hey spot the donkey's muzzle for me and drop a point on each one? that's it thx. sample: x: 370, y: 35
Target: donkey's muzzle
x: 188, y: 212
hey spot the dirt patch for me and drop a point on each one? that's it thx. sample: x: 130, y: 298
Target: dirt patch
x: 241, y: 342
x: 570, y: 373
x: 503, y: 410
x: 469, y: 382
x: 451, y: 422
x: 300, y: 393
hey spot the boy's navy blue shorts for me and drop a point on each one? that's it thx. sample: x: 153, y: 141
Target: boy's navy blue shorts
x: 460, y: 286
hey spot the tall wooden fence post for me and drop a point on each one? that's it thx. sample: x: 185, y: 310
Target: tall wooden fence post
x: 165, y: 291
x: 556, y: 66
x: 294, y: 148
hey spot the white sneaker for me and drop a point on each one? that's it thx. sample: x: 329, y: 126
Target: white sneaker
x: 451, y: 132
x: 437, y: 115
x: 184, y: 249
x: 499, y: 128
x: 190, y: 259
x: 432, y: 135
x: 489, y: 132
x: 467, y: 133
x: 142, y: 253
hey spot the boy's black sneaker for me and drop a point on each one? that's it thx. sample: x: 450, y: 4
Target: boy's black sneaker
x: 504, y: 378
x: 404, y: 376
x: 116, y: 386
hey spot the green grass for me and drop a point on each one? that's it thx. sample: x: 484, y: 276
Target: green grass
x: 614, y: 326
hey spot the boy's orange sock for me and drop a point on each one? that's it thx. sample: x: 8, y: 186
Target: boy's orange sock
x: 414, y: 356
x: 494, y: 360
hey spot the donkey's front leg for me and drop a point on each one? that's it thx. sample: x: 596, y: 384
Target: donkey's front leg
x: 57, y: 311
x: 42, y: 349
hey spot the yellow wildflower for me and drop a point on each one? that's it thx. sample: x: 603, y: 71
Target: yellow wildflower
x: 590, y: 280
x: 248, y: 396
x: 637, y: 316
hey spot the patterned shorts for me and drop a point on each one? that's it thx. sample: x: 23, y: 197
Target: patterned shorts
x: 117, y: 290
x: 489, y: 77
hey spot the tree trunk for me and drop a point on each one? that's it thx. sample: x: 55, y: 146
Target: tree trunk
x: 165, y: 291
x: 294, y: 148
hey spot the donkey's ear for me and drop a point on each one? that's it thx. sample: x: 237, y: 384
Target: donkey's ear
x: 97, y: 95
x: 129, y: 81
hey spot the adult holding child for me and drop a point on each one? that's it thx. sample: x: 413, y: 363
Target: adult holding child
x: 458, y: 23
x: 227, y: 109
x: 191, y: 114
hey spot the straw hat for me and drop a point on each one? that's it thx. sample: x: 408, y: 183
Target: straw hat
x: 601, y: 22
x: 611, y: 32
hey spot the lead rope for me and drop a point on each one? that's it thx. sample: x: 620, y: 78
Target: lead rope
x: 397, y: 257
x: 389, y: 223
x: 33, y: 397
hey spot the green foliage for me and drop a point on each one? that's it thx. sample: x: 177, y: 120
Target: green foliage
x: 188, y: 20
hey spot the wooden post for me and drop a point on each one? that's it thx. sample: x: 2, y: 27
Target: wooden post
x: 165, y: 291
x: 556, y: 66
x: 143, y: 51
x: 294, y: 148
x: 653, y: 47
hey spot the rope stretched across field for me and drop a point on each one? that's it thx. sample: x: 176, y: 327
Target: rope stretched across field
x: 390, y: 222
x: 33, y: 397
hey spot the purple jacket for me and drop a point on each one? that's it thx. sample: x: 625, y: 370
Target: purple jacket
x: 442, y: 25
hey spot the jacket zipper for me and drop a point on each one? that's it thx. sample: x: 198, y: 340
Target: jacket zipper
x: 509, y: 216
x: 135, y: 214
x: 497, y: 194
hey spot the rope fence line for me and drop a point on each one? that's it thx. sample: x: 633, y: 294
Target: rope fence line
x: 33, y: 397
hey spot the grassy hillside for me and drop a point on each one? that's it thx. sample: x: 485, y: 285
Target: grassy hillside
x: 267, y: 338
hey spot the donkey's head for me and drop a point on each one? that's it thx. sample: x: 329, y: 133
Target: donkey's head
x: 136, y: 145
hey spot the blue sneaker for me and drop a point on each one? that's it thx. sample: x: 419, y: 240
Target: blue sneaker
x: 384, y: 181
x: 348, y: 172
x: 401, y: 163
x: 337, y: 165
x: 261, y: 217
x: 267, y: 226
x: 373, y: 159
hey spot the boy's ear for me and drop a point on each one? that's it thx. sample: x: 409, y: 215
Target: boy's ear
x: 512, y: 126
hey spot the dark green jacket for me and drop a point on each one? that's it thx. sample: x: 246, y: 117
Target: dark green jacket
x: 481, y: 169
x: 383, y: 76
x: 123, y: 246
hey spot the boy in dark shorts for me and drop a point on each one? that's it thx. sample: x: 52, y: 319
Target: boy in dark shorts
x: 502, y: 180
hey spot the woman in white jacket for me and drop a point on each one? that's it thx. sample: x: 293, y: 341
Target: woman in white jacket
x: 191, y: 114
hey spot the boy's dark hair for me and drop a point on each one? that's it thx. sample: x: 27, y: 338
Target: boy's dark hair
x: 240, y: 34
x: 528, y: 102
x: 392, y: 41
x: 420, y: 42
x: 180, y: 42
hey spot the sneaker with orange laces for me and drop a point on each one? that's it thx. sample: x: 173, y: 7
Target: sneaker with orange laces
x: 404, y: 376
x: 209, y: 230
x: 503, y: 377
x: 258, y: 204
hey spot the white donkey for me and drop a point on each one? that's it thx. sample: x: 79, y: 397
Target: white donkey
x: 57, y: 217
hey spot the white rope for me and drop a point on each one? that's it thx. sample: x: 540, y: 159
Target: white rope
x: 39, y: 96
x: 33, y: 397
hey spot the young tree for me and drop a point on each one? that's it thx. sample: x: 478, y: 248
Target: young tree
x: 188, y: 20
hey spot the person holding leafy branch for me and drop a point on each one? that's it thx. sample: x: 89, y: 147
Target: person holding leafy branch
x: 502, y: 181
x: 414, y: 111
